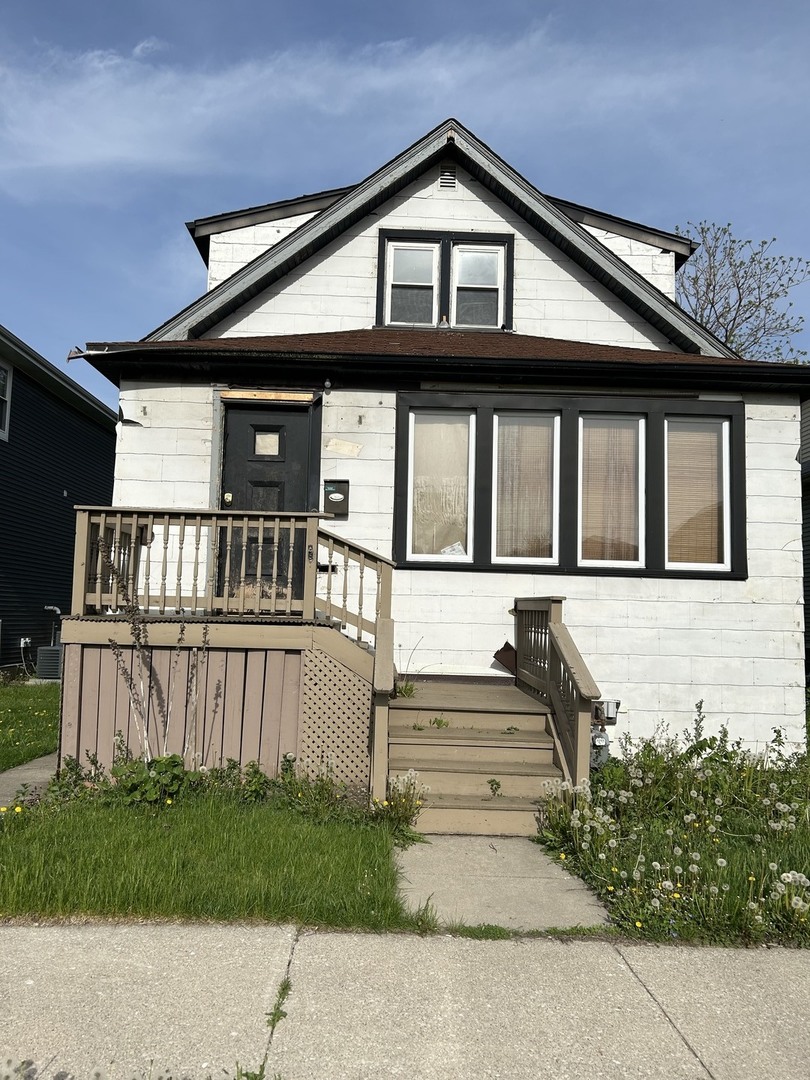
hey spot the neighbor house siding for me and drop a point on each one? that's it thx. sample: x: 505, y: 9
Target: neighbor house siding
x: 336, y: 289
x: 54, y: 459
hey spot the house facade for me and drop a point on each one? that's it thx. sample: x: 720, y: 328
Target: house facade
x: 57, y: 446
x: 494, y: 391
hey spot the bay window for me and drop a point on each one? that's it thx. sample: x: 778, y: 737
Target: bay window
x: 582, y: 485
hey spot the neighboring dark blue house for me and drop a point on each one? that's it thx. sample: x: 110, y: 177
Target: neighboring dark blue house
x: 57, y: 449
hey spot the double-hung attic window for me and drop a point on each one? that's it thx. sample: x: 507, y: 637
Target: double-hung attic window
x: 462, y: 280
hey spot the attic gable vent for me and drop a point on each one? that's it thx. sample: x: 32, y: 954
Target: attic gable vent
x: 447, y: 175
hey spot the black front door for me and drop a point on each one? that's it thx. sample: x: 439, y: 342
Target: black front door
x: 266, y: 464
x: 269, y: 465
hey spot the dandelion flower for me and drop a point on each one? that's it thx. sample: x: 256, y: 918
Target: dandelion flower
x: 602, y: 856
x: 722, y: 862
x: 677, y: 851
x: 713, y: 890
x: 3, y: 809
x: 562, y: 856
x: 638, y: 924
x: 168, y: 802
x: 17, y: 809
x: 771, y: 865
x: 693, y: 868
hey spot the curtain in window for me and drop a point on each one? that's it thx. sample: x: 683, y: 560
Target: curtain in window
x: 610, y: 489
x: 524, y: 495
x: 440, y: 483
x: 695, y: 512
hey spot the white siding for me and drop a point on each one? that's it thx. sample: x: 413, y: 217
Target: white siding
x: 336, y: 289
x: 230, y: 251
x: 167, y: 451
x: 660, y: 645
x: 652, y: 263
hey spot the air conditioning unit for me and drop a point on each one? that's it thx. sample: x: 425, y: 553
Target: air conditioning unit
x: 49, y: 662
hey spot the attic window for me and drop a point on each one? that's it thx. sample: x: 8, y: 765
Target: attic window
x: 447, y: 175
x: 463, y: 280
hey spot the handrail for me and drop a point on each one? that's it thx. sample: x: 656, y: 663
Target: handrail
x: 248, y: 564
x: 551, y: 667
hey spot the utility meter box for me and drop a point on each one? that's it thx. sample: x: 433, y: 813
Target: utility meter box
x: 605, y: 711
x: 336, y: 498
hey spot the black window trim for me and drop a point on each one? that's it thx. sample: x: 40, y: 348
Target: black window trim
x: 655, y: 410
x: 446, y: 242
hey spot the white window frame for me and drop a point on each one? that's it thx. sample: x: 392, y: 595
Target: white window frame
x: 641, y: 561
x: 468, y: 557
x: 519, y: 560
x: 6, y: 422
x: 489, y: 249
x: 726, y: 489
x: 410, y: 245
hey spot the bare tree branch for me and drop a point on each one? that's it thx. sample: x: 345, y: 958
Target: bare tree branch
x: 738, y: 289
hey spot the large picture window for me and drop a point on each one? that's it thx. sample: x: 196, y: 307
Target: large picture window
x: 575, y: 485
x: 461, y: 280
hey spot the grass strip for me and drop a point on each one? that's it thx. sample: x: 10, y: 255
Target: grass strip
x: 29, y: 722
x: 209, y: 857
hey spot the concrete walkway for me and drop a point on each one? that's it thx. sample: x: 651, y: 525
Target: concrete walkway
x: 35, y: 774
x: 496, y: 880
x: 192, y: 1001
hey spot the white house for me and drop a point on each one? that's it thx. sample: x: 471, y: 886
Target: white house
x: 496, y: 391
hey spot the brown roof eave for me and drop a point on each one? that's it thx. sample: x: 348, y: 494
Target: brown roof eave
x: 229, y: 365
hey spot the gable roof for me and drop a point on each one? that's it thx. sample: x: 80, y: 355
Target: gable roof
x: 449, y: 140
x: 202, y: 229
x: 22, y: 357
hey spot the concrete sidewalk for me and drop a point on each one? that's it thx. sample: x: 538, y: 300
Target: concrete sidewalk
x: 137, y: 1000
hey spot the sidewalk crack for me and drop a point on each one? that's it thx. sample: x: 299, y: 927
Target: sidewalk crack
x: 666, y: 1015
x: 277, y: 1013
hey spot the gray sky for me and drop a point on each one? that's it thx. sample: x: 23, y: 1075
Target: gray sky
x: 118, y: 123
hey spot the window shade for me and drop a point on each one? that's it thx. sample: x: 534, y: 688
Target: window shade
x: 695, y: 511
x: 610, y: 489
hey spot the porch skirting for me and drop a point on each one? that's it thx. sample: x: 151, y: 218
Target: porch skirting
x: 243, y: 692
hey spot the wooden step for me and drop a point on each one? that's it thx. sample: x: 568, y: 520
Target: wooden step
x: 462, y: 815
x: 514, y: 779
x: 477, y: 749
x: 467, y: 718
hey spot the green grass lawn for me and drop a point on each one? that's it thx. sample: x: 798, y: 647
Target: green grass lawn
x: 29, y: 722
x: 207, y: 856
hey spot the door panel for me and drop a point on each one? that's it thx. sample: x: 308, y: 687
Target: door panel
x: 266, y: 467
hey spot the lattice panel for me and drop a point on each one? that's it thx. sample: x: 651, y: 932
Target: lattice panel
x: 335, y: 719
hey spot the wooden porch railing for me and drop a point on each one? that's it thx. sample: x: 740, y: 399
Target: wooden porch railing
x: 550, y: 666
x: 216, y: 563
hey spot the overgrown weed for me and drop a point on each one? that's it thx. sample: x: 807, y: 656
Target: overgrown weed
x: 693, y: 839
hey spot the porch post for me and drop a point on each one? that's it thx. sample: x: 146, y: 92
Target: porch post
x: 79, y: 591
x: 382, y: 687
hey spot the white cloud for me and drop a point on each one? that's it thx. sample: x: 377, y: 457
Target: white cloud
x: 86, y: 122
x: 148, y: 46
